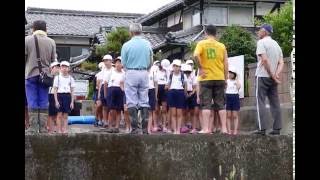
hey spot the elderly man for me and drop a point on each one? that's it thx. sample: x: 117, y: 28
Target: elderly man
x: 270, y: 65
x: 37, y: 94
x: 136, y: 57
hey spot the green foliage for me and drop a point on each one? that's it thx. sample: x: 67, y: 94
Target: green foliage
x: 115, y: 40
x: 91, y: 66
x: 90, y: 94
x: 157, y: 56
x: 282, y: 23
x: 239, y: 41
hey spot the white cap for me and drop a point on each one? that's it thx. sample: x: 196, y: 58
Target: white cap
x: 183, y: 67
x: 176, y: 62
x: 187, y: 67
x: 165, y: 63
x: 189, y: 61
x: 65, y: 63
x: 233, y: 69
x: 156, y: 62
x: 107, y: 57
x: 101, y: 65
x: 55, y: 63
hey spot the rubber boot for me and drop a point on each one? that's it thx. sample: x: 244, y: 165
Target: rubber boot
x: 145, y: 118
x: 43, y: 118
x: 33, y: 121
x: 133, y: 116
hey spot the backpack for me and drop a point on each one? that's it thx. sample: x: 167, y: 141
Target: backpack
x: 182, y: 78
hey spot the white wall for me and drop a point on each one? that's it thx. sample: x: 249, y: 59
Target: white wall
x: 71, y: 40
x: 187, y: 19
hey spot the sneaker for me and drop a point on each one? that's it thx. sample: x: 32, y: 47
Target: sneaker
x: 134, y: 131
x: 260, y: 132
x: 155, y: 129
x: 100, y: 123
x: 165, y: 130
x: 184, y: 130
x: 193, y: 131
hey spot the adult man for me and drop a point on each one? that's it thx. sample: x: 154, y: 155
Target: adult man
x: 270, y: 64
x: 136, y: 56
x: 212, y: 59
x: 37, y: 94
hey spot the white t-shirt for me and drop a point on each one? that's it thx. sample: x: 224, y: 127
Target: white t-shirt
x: 116, y: 78
x: 162, y: 77
x: 63, y: 83
x: 106, y: 75
x: 152, y: 79
x: 191, y: 81
x: 99, y: 75
x: 232, y: 87
x: 272, y: 50
x: 176, y: 81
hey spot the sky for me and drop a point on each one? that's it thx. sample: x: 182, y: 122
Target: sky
x: 128, y: 6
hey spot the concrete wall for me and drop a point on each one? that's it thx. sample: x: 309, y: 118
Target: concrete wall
x: 283, y: 88
x: 95, y: 156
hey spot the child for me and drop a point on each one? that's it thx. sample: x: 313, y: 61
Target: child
x: 153, y: 89
x: 52, y: 111
x: 176, y: 95
x: 233, y: 101
x: 97, y: 101
x: 63, y: 85
x: 191, y: 99
x: 115, y: 93
x: 162, y: 77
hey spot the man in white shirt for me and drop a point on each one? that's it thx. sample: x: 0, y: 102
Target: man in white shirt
x: 270, y: 64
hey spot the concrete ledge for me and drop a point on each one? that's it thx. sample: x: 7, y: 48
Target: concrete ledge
x: 248, y: 118
x: 92, y: 156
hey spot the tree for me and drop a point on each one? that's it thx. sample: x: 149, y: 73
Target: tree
x: 114, y: 41
x: 282, y: 23
x: 239, y: 41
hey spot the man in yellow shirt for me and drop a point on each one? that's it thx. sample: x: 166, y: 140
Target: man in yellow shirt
x: 212, y: 59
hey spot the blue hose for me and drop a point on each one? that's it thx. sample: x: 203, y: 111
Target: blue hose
x: 81, y: 119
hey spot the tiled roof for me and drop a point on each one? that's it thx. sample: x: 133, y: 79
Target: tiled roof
x: 186, y: 36
x: 174, y: 6
x: 77, y: 23
x: 156, y: 36
x: 164, y: 9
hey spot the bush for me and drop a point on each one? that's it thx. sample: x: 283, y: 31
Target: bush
x: 239, y: 41
x: 89, y: 66
x: 282, y: 24
x: 90, y: 94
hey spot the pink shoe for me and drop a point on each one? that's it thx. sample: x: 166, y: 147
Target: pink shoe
x: 155, y: 129
x: 184, y: 130
x: 165, y: 130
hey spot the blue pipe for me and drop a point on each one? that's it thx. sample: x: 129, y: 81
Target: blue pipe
x: 81, y: 119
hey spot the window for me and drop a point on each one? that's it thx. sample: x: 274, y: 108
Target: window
x: 163, y: 22
x: 173, y: 19
x: 241, y: 15
x: 228, y: 15
x: 216, y: 15
x: 65, y: 52
x: 196, y: 19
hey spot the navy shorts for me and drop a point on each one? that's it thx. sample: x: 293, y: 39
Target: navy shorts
x: 152, y: 99
x: 102, y: 98
x: 52, y: 110
x: 64, y: 101
x: 233, y: 102
x: 176, y: 98
x: 115, y: 98
x: 162, y: 94
x: 191, y: 102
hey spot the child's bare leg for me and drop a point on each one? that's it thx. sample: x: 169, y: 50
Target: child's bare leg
x: 211, y: 122
x: 164, y: 115
x: 229, y: 119
x: 118, y: 117
x: 65, y: 123
x: 179, y: 120
x: 126, y: 119
x: 59, y: 122
x: 150, y: 122
x: 235, y: 115
x: 173, y: 112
